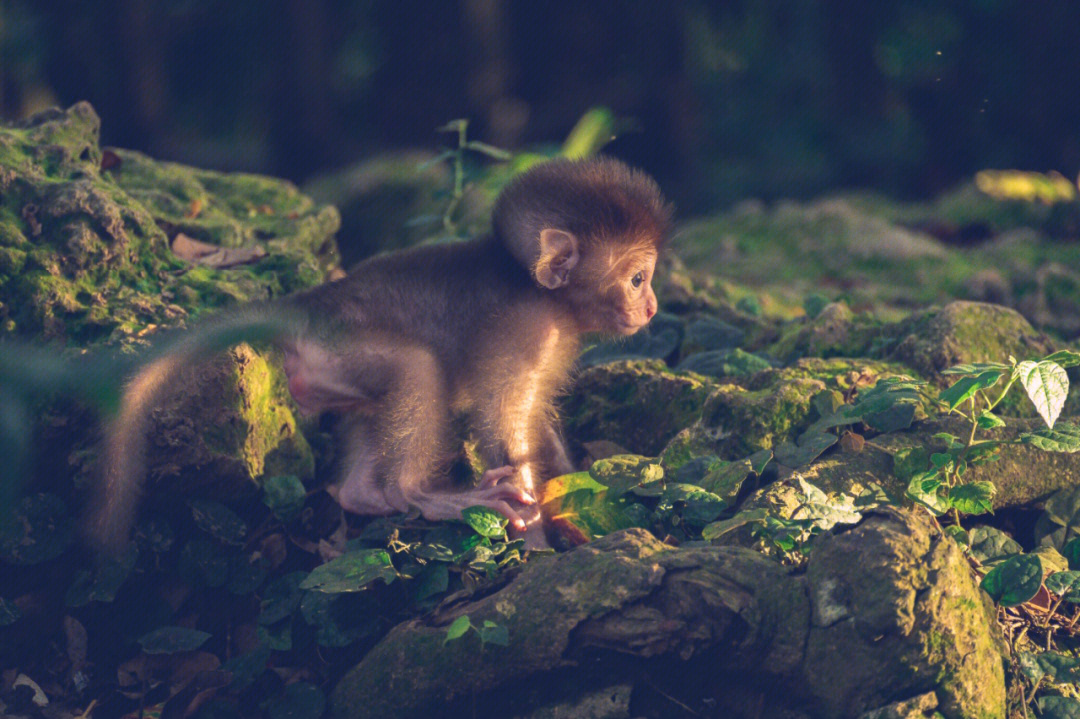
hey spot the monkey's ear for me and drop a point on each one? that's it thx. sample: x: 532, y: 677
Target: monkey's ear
x: 558, y: 255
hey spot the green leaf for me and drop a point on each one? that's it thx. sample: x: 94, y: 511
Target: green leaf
x: 169, y: 640
x: 9, y: 613
x: 909, y: 462
x: 724, y: 363
x: 1014, y: 581
x: 966, y: 387
x: 219, y: 521
x: 203, y: 562
x: 300, y: 700
x: 895, y: 418
x: 989, y: 420
x: 1060, y: 520
x: 1065, y: 584
x: 974, y: 497
x: 990, y: 545
x: 104, y: 582
x: 491, y: 151
x: 433, y: 581
x: 976, y: 368
x: 624, y: 472
x: 284, y: 495
x: 1058, y: 707
x: 925, y: 489
x: 1063, y: 438
x: 939, y: 460
x: 1064, y: 358
x: 281, y: 598
x: 959, y: 534
x: 1029, y: 665
x: 809, y: 448
x: 492, y: 633
x: 693, y: 505
x: 1061, y: 668
x: 277, y: 636
x: 485, y: 521
x: 1071, y: 552
x: 352, y: 572
x: 1047, y: 385
x: 246, y: 668
x: 718, y: 529
x: 457, y: 628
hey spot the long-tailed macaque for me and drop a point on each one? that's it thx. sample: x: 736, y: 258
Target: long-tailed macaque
x: 488, y: 327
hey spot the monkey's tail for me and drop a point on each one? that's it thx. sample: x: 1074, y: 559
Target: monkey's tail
x: 123, y: 458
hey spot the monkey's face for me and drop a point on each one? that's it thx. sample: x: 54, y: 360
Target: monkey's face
x: 623, y: 281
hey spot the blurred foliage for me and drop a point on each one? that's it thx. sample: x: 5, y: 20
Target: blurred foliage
x: 747, y: 98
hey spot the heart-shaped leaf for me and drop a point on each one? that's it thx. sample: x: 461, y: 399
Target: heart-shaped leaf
x: 351, y: 572
x: 1065, y: 584
x: 169, y: 640
x: 485, y: 522
x: 973, y: 498
x: 1014, y: 581
x: 1047, y: 385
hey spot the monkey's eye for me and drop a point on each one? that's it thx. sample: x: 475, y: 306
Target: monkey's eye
x: 637, y: 280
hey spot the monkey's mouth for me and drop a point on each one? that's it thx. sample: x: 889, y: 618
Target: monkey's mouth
x: 626, y: 328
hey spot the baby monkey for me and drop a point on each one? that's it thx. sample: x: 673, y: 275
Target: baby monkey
x: 488, y: 328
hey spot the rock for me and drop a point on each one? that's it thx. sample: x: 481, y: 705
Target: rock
x: 86, y: 261
x: 959, y: 332
x: 87, y: 257
x: 887, y: 610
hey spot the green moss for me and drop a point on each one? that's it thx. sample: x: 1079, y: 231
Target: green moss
x: 94, y: 262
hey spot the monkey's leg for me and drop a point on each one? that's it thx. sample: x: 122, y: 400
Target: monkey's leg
x: 411, y: 440
x: 359, y: 490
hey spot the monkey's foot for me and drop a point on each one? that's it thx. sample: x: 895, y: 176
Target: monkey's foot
x: 492, y: 493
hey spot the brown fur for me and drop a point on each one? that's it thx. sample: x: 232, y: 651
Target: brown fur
x: 489, y: 327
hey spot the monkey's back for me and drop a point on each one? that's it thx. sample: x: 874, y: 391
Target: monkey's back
x: 448, y: 297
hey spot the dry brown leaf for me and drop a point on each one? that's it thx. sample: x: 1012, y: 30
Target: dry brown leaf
x: 194, y: 208
x: 208, y: 255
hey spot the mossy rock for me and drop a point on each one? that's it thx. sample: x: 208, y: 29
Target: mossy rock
x: 86, y: 261
x: 232, y: 426
x: 962, y: 332
x: 641, y: 404
x: 85, y: 235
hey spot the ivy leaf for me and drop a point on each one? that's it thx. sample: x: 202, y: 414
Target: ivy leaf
x: 492, y: 633
x: 1063, y: 438
x: 810, y: 447
x: 1057, y: 707
x: 1014, y: 581
x: 485, y: 522
x: 457, y: 628
x: 284, y: 495
x: 1047, y: 385
x: 974, y: 497
x: 169, y: 640
x: 1071, y: 552
x: 990, y: 545
x: 989, y: 420
x: 351, y: 572
x: 924, y: 489
x: 9, y: 612
x: 718, y: 529
x: 219, y: 521
x: 1065, y: 584
x: 909, y: 462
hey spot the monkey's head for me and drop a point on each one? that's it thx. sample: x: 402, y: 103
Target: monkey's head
x: 590, y: 231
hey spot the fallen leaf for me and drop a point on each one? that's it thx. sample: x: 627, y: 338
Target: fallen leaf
x: 194, y: 208
x: 110, y: 160
x: 203, y: 253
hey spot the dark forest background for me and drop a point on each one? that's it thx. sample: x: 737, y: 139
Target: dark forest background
x: 761, y: 98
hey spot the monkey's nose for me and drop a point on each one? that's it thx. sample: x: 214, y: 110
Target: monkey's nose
x: 650, y: 310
